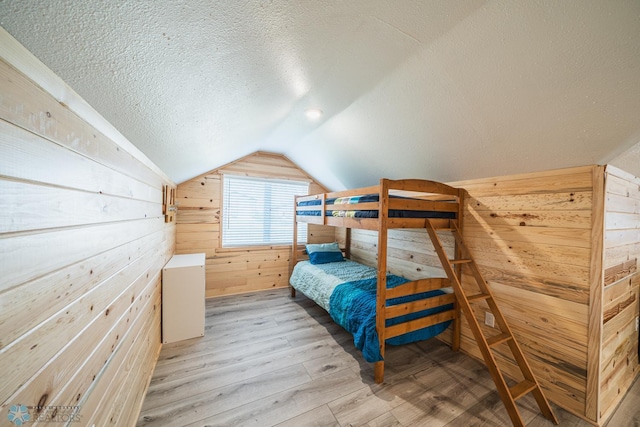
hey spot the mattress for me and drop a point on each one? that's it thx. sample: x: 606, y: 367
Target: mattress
x: 347, y: 291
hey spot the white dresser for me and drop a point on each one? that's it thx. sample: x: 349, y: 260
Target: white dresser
x: 183, y: 294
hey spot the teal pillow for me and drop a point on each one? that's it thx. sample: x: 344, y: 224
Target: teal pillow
x: 323, y: 253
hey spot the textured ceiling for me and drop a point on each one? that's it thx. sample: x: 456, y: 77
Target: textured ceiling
x: 445, y: 90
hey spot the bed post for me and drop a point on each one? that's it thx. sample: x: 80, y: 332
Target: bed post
x: 457, y: 321
x: 294, y: 246
x: 347, y: 243
x: 381, y: 294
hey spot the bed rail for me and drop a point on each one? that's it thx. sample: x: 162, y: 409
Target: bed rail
x: 403, y: 204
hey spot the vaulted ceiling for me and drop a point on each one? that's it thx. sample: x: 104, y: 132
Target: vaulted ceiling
x: 435, y: 89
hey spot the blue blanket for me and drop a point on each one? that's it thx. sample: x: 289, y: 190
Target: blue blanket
x: 353, y: 306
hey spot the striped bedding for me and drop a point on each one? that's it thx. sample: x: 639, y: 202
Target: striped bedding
x: 347, y: 291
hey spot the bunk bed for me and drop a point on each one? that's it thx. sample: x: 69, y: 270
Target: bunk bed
x: 397, y: 310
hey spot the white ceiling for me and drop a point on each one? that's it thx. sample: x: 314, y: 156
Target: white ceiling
x: 440, y: 89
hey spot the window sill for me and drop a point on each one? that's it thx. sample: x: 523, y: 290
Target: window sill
x: 254, y: 248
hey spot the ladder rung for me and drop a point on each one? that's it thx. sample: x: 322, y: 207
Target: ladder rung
x: 498, y: 339
x: 484, y: 344
x: 522, y: 388
x: 478, y: 297
x: 459, y: 261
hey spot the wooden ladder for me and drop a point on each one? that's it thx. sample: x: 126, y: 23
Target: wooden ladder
x: 453, y: 268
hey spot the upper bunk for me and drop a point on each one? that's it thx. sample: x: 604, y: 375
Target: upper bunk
x: 406, y: 203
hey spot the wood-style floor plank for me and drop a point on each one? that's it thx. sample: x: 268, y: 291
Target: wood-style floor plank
x: 318, y: 417
x: 287, y: 404
x: 269, y: 360
x: 195, y: 408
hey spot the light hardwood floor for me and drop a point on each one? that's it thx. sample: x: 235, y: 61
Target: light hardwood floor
x: 269, y: 360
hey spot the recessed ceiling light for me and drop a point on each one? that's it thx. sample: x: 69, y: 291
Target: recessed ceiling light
x: 313, y: 113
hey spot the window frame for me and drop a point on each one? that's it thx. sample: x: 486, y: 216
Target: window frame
x: 302, y: 234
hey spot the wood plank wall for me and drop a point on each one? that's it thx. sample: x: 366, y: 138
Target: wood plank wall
x: 619, y: 356
x: 531, y: 237
x: 236, y: 270
x: 82, y: 244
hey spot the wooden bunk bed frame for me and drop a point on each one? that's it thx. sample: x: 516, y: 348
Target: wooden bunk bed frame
x: 425, y: 196
x: 437, y: 198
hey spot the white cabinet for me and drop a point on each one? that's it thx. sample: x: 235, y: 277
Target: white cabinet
x: 183, y: 282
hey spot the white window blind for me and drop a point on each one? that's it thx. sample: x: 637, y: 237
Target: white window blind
x: 258, y: 211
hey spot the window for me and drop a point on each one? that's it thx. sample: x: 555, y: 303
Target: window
x: 258, y: 211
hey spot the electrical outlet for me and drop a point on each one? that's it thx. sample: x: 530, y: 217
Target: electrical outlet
x: 489, y: 319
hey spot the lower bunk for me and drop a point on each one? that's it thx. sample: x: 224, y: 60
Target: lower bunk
x: 413, y: 310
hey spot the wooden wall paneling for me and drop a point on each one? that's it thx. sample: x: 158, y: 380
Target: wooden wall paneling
x: 547, y: 268
x: 82, y: 244
x: 551, y: 218
x: 52, y: 292
x: 189, y: 243
x: 51, y: 251
x: 202, y: 187
x: 620, y: 289
x: 43, y: 343
x: 539, y: 284
x: 202, y: 203
x: 570, y: 255
x: 267, y: 267
x: 414, y: 241
x: 534, y: 184
x: 618, y: 296
x: 624, y: 184
x: 197, y: 217
x: 268, y: 277
x: 558, y: 201
x: 67, y: 377
x: 622, y: 203
x: 237, y: 270
x: 531, y: 237
x: 415, y: 262
x: 262, y: 164
x: 621, y: 237
x: 147, y: 310
x: 238, y: 287
x: 190, y: 228
x: 543, y: 235
x: 26, y: 206
x: 616, y: 272
x: 564, y: 319
x: 320, y: 234
x: 363, y: 256
x: 99, y: 404
x: 130, y: 403
x: 621, y: 221
x: 619, y: 356
x: 30, y: 158
x: 128, y: 397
